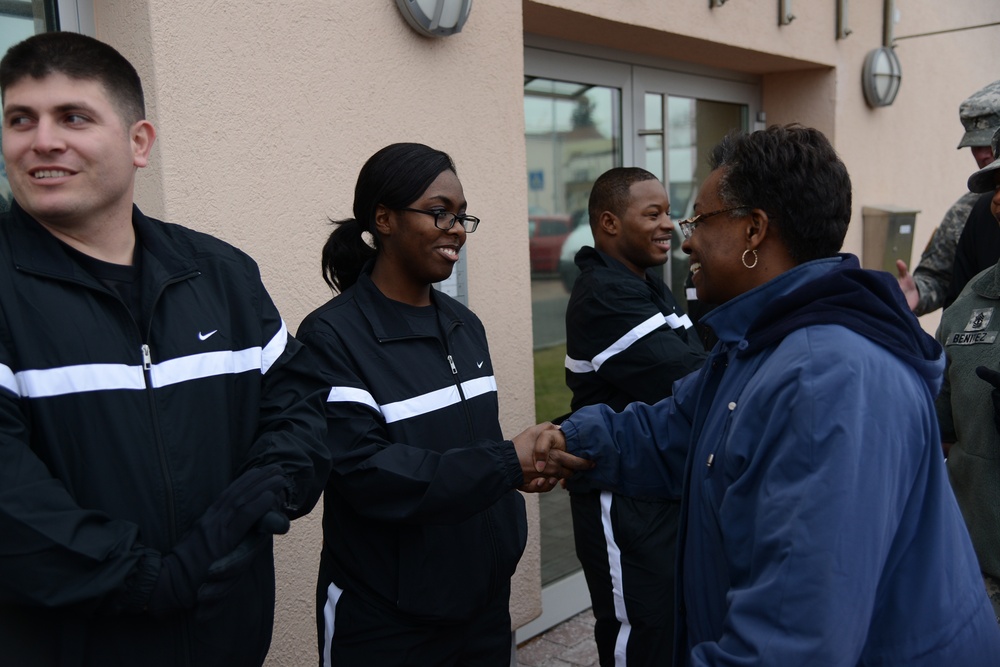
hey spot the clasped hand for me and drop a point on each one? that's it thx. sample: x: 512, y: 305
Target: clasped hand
x: 541, y: 449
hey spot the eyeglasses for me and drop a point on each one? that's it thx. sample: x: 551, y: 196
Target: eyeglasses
x: 468, y: 222
x: 688, y: 226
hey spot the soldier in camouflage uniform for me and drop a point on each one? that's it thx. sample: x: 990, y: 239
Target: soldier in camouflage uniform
x: 968, y: 406
x: 927, y: 288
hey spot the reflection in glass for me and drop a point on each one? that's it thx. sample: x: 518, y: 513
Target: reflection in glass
x: 572, y: 135
x: 694, y: 128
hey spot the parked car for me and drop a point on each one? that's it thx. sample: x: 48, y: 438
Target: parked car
x: 568, y: 270
x: 546, y: 234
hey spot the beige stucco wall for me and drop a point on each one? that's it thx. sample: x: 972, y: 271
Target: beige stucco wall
x: 267, y: 110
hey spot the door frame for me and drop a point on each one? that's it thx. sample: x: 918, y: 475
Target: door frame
x: 633, y: 76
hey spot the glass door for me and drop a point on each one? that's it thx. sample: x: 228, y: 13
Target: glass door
x: 584, y: 116
x: 573, y: 135
x: 680, y: 118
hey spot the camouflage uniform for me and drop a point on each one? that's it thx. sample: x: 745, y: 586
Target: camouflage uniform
x: 980, y: 115
x: 933, y: 273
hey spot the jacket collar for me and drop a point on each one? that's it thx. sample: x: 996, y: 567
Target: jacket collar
x: 34, y: 249
x: 731, y: 320
x: 589, y: 257
x: 384, y: 318
x: 987, y: 284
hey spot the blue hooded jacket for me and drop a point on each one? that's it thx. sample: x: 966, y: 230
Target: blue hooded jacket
x: 818, y: 526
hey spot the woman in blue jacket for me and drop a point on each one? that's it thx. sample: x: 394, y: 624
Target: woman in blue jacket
x: 422, y: 523
x: 817, y: 523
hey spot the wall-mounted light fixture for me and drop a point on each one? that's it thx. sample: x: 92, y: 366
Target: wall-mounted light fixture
x: 435, y: 18
x: 880, y: 77
x: 785, y: 15
x: 882, y: 73
x: 716, y: 3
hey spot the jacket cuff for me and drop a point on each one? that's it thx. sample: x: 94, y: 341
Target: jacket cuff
x: 140, y: 582
x: 569, y: 431
x: 512, y: 465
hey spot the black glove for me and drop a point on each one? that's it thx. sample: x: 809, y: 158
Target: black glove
x: 223, y: 527
x: 993, y: 377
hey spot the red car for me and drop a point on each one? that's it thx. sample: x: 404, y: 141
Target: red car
x: 546, y: 234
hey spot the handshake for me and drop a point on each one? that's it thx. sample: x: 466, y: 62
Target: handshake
x: 541, y: 449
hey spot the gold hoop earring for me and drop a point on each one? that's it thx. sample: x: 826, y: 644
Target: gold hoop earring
x: 744, y: 258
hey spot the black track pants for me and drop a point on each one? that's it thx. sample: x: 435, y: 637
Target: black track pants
x: 353, y: 631
x: 628, y: 551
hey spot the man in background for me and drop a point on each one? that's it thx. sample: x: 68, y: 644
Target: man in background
x: 627, y: 340
x: 927, y: 289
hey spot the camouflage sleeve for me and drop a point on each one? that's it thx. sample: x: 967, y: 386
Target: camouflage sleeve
x: 933, y: 273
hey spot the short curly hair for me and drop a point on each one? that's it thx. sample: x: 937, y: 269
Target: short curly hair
x: 793, y: 173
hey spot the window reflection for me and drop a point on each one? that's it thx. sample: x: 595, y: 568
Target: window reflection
x: 694, y: 128
x: 573, y: 135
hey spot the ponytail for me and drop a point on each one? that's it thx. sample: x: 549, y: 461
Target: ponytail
x: 345, y: 253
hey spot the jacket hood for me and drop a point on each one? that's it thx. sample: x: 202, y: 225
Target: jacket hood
x: 869, y: 303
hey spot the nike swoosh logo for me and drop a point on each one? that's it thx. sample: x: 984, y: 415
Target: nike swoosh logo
x: 479, y: 365
x: 202, y: 336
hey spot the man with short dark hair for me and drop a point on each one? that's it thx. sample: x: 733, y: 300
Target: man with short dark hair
x: 979, y: 246
x: 930, y: 287
x: 627, y: 340
x: 157, y: 422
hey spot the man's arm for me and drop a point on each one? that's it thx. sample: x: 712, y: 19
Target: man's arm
x: 292, y: 426
x: 55, y: 553
x: 932, y: 276
x: 401, y: 481
x: 637, y: 452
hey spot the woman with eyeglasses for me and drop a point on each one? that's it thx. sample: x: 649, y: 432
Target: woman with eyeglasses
x: 818, y: 526
x: 422, y: 522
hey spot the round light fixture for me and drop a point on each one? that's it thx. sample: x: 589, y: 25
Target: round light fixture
x: 880, y: 77
x: 435, y: 18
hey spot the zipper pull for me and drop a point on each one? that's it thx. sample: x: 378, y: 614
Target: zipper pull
x: 147, y: 359
x: 451, y: 362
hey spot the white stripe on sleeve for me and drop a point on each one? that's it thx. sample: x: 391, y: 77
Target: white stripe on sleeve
x: 274, y: 349
x: 634, y: 335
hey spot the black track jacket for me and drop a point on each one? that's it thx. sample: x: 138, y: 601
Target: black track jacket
x: 114, y: 441
x: 421, y: 514
x: 627, y: 339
